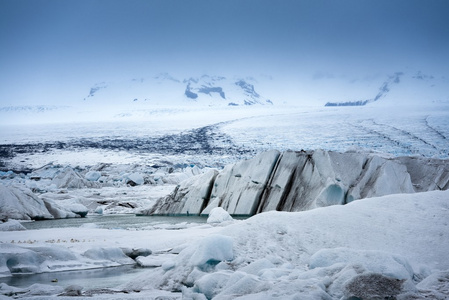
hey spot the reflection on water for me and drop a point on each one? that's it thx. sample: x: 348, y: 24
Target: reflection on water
x: 88, y: 279
x: 114, y: 221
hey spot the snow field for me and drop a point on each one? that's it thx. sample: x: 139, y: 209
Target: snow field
x: 326, y: 253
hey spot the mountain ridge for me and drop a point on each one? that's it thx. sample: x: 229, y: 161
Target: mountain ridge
x: 206, y: 89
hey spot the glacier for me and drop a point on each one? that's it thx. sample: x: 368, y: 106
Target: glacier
x: 300, y: 242
x: 303, y: 180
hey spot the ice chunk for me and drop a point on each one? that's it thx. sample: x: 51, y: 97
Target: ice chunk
x: 73, y: 290
x: 69, y: 208
x: 256, y: 267
x: 155, y: 260
x: 107, y: 255
x: 135, y: 252
x: 175, y: 178
x: 436, y: 284
x: 11, y: 225
x: 168, y: 265
x: 211, y: 284
x: 22, y: 204
x: 134, y: 179
x: 380, y: 262
x: 243, y: 284
x: 38, y: 289
x: 7, y: 290
x: 212, y: 250
x: 219, y: 215
x: 89, y: 225
x: 69, y: 178
x: 92, y: 175
x: 48, y: 171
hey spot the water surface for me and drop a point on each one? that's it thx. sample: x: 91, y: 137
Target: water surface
x: 124, y: 221
x: 88, y: 279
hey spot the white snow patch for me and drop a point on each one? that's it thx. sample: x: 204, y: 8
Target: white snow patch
x: 218, y: 215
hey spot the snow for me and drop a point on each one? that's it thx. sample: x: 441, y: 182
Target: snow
x: 212, y: 250
x: 218, y: 215
x: 396, y: 241
x: 11, y: 225
x: 389, y: 265
x: 322, y: 250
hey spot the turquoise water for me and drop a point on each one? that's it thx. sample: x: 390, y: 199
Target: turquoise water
x: 115, y: 221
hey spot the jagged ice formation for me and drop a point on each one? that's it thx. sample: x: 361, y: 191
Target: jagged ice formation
x: 302, y: 180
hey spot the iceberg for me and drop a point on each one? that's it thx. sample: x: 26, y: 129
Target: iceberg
x: 20, y: 203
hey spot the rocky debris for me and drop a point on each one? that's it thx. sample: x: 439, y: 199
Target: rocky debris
x: 3, y: 218
x: 134, y: 253
x: 303, y: 180
x: 203, y: 140
x: 73, y: 291
x: 373, y: 286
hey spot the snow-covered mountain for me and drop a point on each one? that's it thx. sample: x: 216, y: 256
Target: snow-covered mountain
x: 166, y: 89
x: 152, y: 97
x: 411, y: 87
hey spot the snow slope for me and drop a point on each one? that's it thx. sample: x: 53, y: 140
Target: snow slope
x: 318, y: 254
x: 400, y: 241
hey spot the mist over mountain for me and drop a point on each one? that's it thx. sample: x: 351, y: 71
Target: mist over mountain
x: 401, y: 87
x: 165, y: 89
x: 404, y: 88
x: 143, y: 97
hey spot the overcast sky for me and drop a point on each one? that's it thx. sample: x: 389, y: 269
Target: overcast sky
x: 50, y: 48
